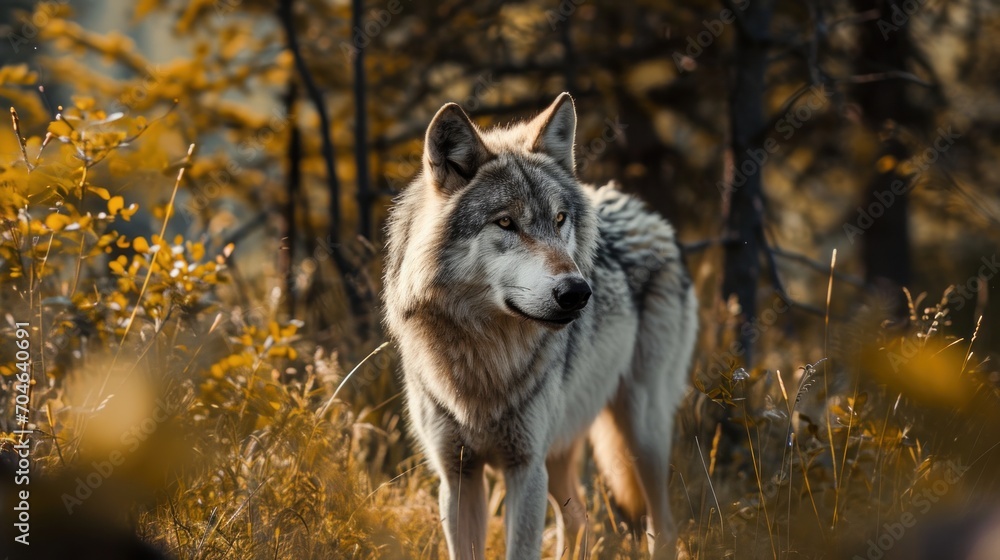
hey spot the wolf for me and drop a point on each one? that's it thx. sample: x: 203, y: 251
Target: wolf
x: 530, y: 310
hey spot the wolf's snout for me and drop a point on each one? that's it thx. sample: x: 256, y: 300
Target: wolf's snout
x: 573, y: 294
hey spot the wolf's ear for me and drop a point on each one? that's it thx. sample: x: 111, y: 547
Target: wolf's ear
x: 556, y: 131
x: 453, y: 149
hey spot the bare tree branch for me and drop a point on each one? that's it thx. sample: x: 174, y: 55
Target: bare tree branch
x: 286, y: 254
x: 885, y: 76
x: 699, y: 246
x: 316, y: 96
x: 779, y: 286
x: 817, y: 266
x: 357, y: 284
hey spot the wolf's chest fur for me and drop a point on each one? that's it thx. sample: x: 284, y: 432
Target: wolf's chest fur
x: 478, y: 373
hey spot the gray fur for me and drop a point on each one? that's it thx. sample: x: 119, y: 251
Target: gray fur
x: 496, y: 371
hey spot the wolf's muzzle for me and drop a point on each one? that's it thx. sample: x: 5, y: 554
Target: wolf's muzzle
x: 572, y: 294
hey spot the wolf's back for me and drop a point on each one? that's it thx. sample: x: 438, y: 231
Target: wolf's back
x: 639, y: 240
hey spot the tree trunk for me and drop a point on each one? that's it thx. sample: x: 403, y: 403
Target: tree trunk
x: 886, y: 45
x: 742, y: 202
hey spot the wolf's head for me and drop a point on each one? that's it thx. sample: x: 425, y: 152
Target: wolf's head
x: 515, y: 232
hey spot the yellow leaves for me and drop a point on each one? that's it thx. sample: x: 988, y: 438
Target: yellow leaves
x: 228, y: 363
x: 173, y: 273
x: 239, y: 360
x: 83, y: 222
x: 18, y: 74
x: 117, y: 301
x: 271, y: 343
x: 66, y: 251
x: 61, y: 129
x: 140, y: 245
x: 127, y: 213
x: 117, y: 266
x: 115, y: 205
x: 285, y: 59
x: 105, y: 141
x: 886, y: 164
x: 144, y: 7
x: 104, y: 243
x: 117, y: 45
x: 234, y: 40
x: 247, y: 337
x: 161, y: 212
x: 279, y: 72
x: 193, y: 10
x: 47, y: 215
x: 13, y: 182
x: 27, y: 102
x: 282, y: 352
x: 57, y: 222
x: 287, y: 331
x: 93, y: 134
x: 99, y: 191
x: 83, y: 103
x: 274, y: 329
x: 197, y: 251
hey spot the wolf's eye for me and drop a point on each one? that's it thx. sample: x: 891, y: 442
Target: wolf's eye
x: 506, y: 223
x: 560, y: 219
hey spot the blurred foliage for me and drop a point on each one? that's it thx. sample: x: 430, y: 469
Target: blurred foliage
x: 141, y: 227
x: 135, y: 357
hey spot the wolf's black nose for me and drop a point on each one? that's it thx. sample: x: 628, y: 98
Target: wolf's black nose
x: 572, y: 294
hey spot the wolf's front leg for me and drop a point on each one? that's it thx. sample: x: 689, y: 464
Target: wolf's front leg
x: 463, y: 509
x: 527, y: 498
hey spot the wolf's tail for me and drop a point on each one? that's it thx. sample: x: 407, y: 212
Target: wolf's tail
x: 617, y: 466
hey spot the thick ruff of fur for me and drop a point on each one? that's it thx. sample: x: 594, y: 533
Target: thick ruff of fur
x: 491, y: 251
